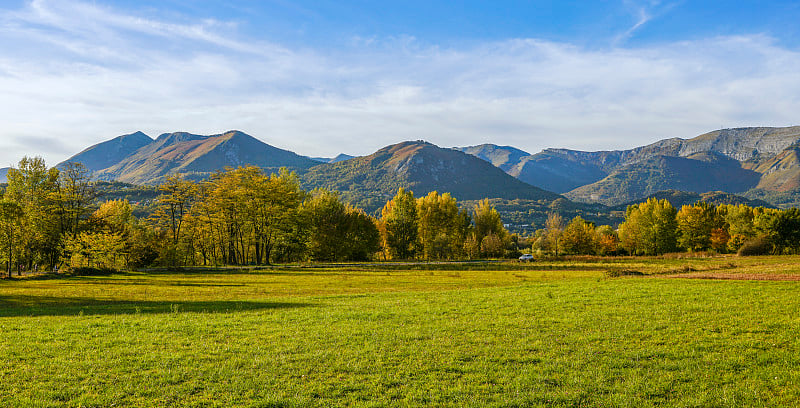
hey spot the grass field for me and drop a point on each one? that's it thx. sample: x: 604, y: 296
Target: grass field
x: 507, y: 335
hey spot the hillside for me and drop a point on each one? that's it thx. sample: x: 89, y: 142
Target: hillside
x: 680, y: 198
x: 198, y: 156
x: 110, y: 152
x: 504, y: 157
x: 370, y: 181
x: 760, y: 162
x: 698, y: 173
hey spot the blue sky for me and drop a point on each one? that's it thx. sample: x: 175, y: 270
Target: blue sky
x: 325, y: 77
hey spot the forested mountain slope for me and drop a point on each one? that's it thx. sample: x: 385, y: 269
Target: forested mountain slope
x: 759, y: 161
x: 422, y: 167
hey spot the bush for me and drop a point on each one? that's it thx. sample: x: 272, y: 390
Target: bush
x: 756, y: 246
x: 87, y: 271
x: 616, y: 273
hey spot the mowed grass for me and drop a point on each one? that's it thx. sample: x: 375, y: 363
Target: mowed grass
x: 510, y: 335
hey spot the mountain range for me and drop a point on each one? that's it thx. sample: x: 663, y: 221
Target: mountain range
x: 757, y: 162
x: 758, y: 166
x: 136, y: 158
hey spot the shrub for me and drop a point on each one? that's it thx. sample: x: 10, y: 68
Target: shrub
x: 757, y: 246
x: 615, y: 273
x: 87, y: 271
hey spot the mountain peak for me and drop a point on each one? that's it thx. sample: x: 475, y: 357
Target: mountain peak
x: 200, y: 156
x: 504, y: 157
x: 168, y: 138
x: 421, y: 167
x: 110, y: 152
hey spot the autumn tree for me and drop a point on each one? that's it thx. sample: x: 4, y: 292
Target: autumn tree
x: 338, y: 232
x: 31, y: 186
x: 399, y: 220
x: 10, y: 218
x: 174, y: 203
x: 113, y: 239
x: 442, y: 227
x: 695, y: 223
x: 649, y: 228
x: 578, y: 237
x: 740, y: 225
x: 489, y: 230
x: 607, y: 240
x: 553, y: 228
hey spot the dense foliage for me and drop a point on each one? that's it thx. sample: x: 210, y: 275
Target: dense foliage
x: 51, y: 218
x: 656, y: 227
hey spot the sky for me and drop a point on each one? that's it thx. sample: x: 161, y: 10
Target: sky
x: 327, y: 77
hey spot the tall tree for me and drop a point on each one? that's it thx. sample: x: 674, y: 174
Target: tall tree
x: 740, y: 225
x: 338, y: 232
x: 650, y: 228
x: 174, y: 204
x: 10, y: 217
x: 399, y: 218
x: 74, y: 192
x: 554, y: 227
x: 31, y: 186
x: 578, y: 237
x: 442, y: 227
x: 695, y: 223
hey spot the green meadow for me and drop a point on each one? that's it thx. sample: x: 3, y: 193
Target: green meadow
x: 544, y: 334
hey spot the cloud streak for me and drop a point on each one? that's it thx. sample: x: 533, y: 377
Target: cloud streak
x: 79, y: 74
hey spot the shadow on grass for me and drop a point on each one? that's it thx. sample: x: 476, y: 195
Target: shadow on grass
x: 23, y: 305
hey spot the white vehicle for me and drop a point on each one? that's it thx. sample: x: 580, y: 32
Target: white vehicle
x: 526, y: 258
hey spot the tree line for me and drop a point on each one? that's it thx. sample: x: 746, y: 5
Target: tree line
x: 655, y: 227
x: 52, y: 218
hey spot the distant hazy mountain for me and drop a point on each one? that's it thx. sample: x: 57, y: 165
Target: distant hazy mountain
x: 422, y: 167
x: 731, y: 160
x: 504, y: 157
x: 761, y: 162
x: 138, y: 159
x: 4, y: 174
x: 698, y: 173
x: 340, y: 157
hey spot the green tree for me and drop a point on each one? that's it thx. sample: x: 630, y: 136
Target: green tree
x: 578, y: 237
x: 174, y: 204
x: 338, y: 232
x: 740, y: 225
x: 31, y: 186
x: 10, y: 219
x: 650, y: 228
x: 442, y: 227
x: 554, y: 227
x: 783, y: 230
x: 695, y: 223
x: 399, y: 219
x: 72, y: 196
x: 489, y: 230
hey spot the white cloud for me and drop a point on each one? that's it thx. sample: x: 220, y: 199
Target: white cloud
x: 80, y: 74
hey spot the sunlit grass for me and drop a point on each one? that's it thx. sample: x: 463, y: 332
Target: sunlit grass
x: 546, y: 334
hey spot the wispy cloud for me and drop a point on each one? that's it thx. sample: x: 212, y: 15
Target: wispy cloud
x: 79, y: 74
x: 642, y: 11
